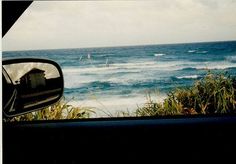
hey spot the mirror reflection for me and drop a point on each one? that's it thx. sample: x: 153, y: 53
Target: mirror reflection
x: 36, y: 84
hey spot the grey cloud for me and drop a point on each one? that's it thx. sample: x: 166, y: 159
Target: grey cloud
x: 75, y: 24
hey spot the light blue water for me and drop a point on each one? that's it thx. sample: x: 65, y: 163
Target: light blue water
x: 119, y: 77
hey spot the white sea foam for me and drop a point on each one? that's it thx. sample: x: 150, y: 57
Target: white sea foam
x: 78, y: 77
x: 77, y: 81
x: 111, y: 67
x: 202, y: 52
x: 128, y: 80
x: 230, y: 58
x: 125, y: 79
x: 157, y: 65
x: 134, y: 64
x: 87, y: 70
x: 127, y: 67
x: 192, y: 51
x: 104, y: 107
x: 179, y: 65
x: 188, y: 77
x: 216, y: 65
x: 157, y: 55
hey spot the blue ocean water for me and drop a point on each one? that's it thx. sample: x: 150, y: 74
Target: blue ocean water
x: 118, y: 78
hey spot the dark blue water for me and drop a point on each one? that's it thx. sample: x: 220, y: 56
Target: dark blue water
x: 119, y: 77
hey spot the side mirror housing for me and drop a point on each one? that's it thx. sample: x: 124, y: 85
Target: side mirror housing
x: 30, y: 84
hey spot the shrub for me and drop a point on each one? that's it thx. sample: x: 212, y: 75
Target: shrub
x: 215, y: 93
x: 60, y: 110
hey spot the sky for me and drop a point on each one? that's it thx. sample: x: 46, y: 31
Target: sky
x: 78, y: 24
x: 16, y: 71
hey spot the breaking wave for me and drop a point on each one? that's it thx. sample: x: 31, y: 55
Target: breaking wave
x: 157, y: 55
x: 188, y: 77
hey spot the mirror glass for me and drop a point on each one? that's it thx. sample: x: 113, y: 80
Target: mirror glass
x: 29, y: 86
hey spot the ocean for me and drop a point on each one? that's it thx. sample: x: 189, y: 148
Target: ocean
x: 111, y: 79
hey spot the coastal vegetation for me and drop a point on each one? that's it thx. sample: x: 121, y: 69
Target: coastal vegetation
x: 214, y: 93
x: 60, y: 110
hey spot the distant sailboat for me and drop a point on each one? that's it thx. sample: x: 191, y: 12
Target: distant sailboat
x: 90, y: 60
x: 89, y: 56
x: 80, y: 57
x: 107, y: 64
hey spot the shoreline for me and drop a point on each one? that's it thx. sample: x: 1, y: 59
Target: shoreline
x: 105, y: 107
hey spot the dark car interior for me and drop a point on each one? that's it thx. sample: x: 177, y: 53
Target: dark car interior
x: 141, y: 139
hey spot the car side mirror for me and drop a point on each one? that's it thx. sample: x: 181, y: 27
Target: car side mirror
x: 30, y: 84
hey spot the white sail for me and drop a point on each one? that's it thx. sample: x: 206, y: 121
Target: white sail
x: 107, y: 64
x: 89, y: 56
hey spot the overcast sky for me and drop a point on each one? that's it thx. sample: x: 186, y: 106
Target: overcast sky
x: 77, y: 24
x: 16, y: 71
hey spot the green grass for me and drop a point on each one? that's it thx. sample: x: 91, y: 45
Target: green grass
x: 60, y: 110
x: 215, y: 93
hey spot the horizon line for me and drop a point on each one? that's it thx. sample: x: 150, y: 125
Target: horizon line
x: 135, y: 45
